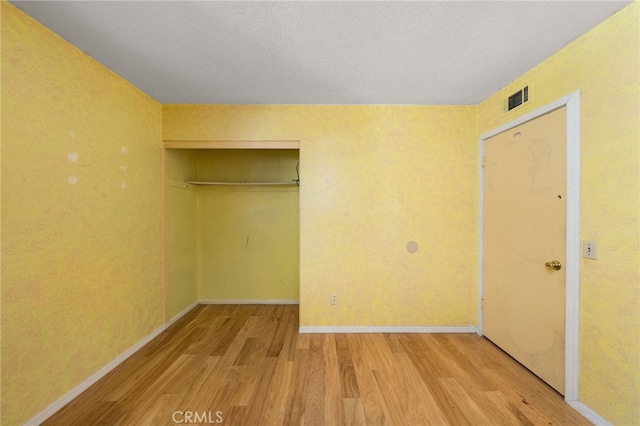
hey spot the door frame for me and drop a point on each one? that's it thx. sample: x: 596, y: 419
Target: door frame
x: 572, y: 268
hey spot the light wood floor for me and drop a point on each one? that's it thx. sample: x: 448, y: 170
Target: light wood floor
x: 247, y: 365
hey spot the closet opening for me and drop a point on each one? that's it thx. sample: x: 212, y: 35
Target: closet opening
x: 232, y: 224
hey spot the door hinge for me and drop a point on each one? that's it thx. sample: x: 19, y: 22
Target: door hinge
x: 482, y: 304
x: 482, y: 162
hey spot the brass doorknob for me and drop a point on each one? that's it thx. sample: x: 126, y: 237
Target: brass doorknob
x: 554, y: 264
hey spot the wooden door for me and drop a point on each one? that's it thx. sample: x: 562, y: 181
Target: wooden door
x: 524, y: 229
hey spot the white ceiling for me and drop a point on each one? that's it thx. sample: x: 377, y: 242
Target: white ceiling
x: 320, y: 52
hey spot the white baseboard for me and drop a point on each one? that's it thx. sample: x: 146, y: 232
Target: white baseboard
x: 73, y: 393
x: 588, y: 413
x: 183, y: 313
x: 385, y: 329
x: 248, y: 302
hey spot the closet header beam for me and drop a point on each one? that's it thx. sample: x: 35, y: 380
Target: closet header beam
x: 199, y: 183
x: 256, y: 144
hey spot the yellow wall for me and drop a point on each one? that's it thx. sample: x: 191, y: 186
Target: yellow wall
x: 605, y: 65
x: 183, y: 231
x: 81, y: 216
x: 248, y: 236
x: 373, y: 179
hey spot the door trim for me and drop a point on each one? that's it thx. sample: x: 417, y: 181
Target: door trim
x: 572, y: 268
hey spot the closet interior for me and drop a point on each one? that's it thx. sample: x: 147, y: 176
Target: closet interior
x: 233, y: 226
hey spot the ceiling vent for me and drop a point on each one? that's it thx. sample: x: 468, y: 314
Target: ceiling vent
x: 517, y: 99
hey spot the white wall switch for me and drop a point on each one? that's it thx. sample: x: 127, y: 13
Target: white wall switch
x: 589, y: 249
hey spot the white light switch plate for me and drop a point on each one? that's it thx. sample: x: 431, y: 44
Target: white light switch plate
x: 589, y: 249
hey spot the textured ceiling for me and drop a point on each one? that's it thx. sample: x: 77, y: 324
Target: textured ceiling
x: 305, y: 52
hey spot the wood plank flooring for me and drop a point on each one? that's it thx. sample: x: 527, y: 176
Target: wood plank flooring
x: 247, y: 365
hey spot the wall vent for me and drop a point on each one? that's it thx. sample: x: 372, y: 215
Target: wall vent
x: 517, y: 99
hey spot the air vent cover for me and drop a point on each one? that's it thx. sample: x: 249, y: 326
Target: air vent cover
x: 517, y: 99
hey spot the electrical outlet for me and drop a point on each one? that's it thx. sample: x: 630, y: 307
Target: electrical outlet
x: 589, y: 249
x: 334, y: 298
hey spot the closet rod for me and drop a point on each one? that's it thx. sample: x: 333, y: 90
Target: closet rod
x: 200, y: 183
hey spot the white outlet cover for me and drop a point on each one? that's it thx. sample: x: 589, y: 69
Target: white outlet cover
x: 590, y: 249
